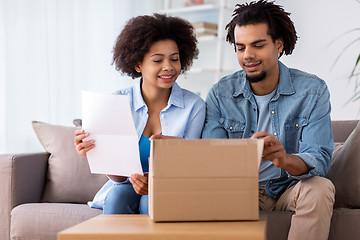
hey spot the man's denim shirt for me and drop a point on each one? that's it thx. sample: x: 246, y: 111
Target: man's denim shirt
x: 300, y: 118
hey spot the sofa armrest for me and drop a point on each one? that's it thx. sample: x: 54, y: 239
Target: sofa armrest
x: 23, y: 177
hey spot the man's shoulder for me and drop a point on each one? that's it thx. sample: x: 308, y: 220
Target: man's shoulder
x: 307, y: 83
x: 302, y: 77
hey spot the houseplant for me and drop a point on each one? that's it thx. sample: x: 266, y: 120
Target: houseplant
x: 355, y: 72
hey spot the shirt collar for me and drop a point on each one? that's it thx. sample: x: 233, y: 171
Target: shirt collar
x: 138, y: 99
x: 176, y: 97
x: 285, y: 86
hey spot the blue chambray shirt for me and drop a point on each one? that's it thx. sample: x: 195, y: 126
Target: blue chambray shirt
x: 182, y: 117
x: 300, y: 119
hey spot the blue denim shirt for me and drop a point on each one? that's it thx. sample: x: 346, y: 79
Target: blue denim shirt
x: 300, y: 119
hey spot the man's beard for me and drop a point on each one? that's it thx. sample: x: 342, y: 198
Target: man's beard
x: 256, y: 78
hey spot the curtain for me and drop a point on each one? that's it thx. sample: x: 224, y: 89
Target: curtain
x: 2, y: 80
x: 50, y: 50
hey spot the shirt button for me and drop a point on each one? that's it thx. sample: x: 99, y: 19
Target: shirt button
x: 252, y: 131
x: 230, y: 128
x: 275, y: 133
x: 162, y: 115
x: 254, y: 109
x: 272, y: 112
x: 297, y: 125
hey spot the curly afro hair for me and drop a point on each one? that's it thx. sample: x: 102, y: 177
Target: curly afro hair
x: 141, y: 32
x: 278, y: 21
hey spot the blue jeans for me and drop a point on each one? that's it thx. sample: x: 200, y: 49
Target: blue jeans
x: 122, y: 199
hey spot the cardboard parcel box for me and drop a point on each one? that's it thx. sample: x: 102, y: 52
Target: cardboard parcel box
x: 204, y: 179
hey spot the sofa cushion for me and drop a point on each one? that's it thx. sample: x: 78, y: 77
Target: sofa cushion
x: 342, y: 129
x: 344, y: 171
x: 345, y: 224
x: 69, y: 178
x: 34, y: 221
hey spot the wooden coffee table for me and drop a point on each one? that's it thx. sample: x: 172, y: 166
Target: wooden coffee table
x: 124, y: 227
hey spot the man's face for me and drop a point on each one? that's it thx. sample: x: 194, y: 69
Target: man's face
x: 256, y: 52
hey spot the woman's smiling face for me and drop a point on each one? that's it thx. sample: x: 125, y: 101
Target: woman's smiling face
x: 161, y: 65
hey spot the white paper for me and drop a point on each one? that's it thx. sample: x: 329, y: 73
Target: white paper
x: 109, y: 121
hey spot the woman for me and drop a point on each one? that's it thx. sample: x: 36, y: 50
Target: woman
x: 157, y: 49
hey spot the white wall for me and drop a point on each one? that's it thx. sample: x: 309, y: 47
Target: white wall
x: 318, y: 24
x: 2, y: 82
x: 39, y: 82
x: 49, y: 52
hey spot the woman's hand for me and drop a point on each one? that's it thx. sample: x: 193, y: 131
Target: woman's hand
x: 140, y: 183
x: 160, y: 136
x: 83, y: 147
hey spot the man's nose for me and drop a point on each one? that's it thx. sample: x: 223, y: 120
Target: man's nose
x: 249, y: 53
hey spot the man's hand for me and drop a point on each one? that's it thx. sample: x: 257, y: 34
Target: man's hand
x: 274, y: 151
x: 140, y: 183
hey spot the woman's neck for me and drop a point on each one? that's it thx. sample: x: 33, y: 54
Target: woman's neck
x: 155, y: 98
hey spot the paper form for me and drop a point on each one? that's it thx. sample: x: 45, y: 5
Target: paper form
x: 109, y: 121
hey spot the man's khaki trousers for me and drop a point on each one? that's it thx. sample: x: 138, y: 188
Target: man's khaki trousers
x: 312, y: 200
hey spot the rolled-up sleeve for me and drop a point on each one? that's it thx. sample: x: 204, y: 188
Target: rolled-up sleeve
x: 316, y: 144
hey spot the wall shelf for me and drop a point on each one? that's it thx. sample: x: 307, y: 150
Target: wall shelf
x: 189, y: 9
x: 211, y: 63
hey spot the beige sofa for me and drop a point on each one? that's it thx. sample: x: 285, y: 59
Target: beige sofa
x: 43, y: 193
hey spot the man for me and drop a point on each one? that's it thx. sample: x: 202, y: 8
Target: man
x: 287, y: 108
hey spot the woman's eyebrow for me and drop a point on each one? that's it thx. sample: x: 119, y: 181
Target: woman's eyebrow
x: 161, y: 54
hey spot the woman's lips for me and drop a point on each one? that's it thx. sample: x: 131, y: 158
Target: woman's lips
x: 166, y: 78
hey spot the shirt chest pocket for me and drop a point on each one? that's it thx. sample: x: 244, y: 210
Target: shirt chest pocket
x: 293, y: 133
x: 234, y: 129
